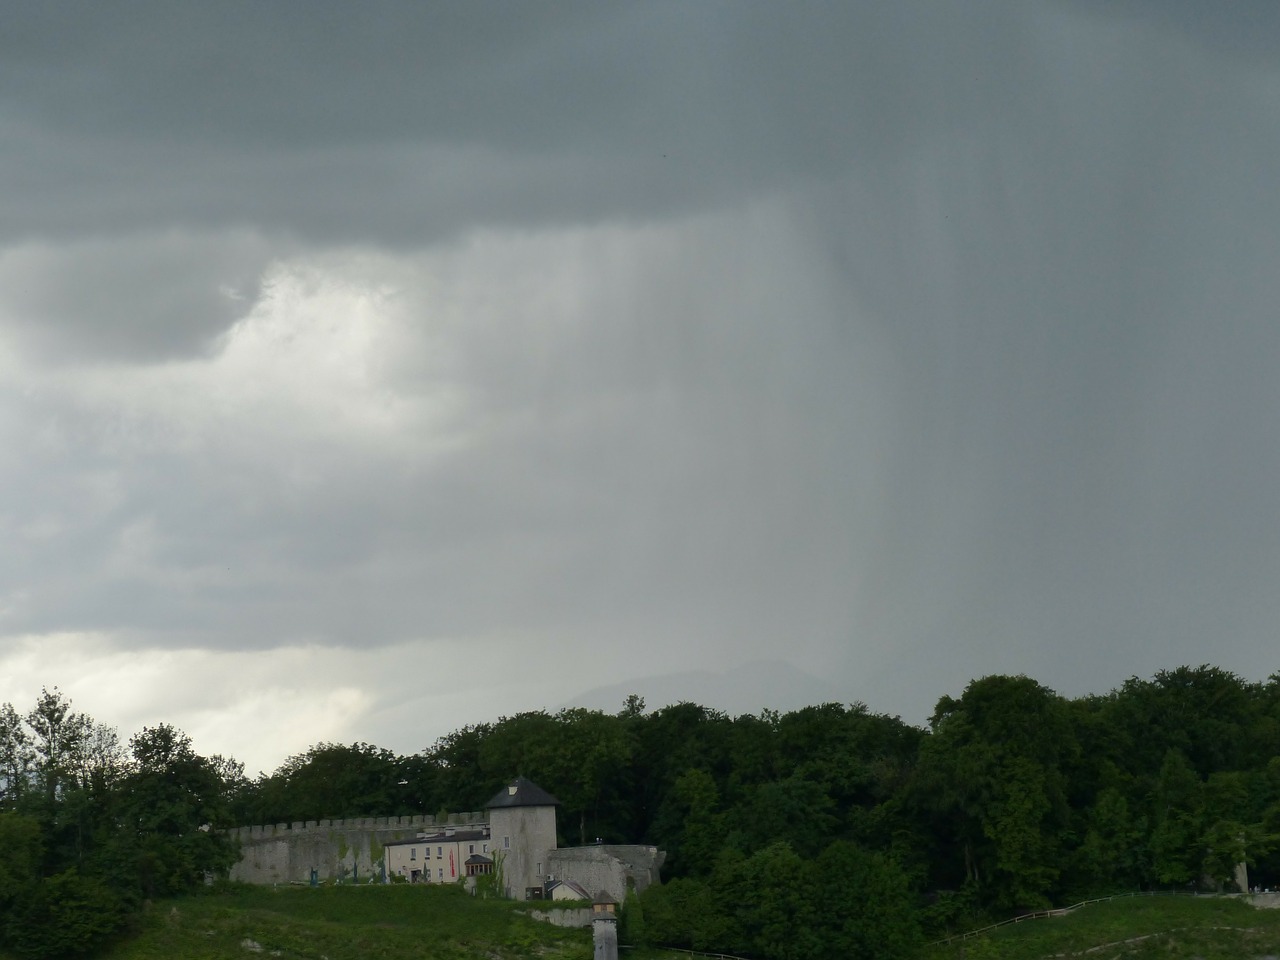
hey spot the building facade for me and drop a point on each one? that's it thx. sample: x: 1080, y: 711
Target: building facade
x: 522, y: 827
x: 443, y: 857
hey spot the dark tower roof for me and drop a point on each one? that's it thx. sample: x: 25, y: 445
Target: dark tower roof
x: 522, y: 793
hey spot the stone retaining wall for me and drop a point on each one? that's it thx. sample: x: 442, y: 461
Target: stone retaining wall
x: 610, y: 867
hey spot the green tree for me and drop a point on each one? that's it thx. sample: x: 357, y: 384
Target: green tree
x: 172, y: 804
x: 773, y: 810
x: 461, y: 782
x: 57, y: 734
x: 991, y: 777
x: 594, y: 752
x: 22, y: 844
x: 1175, y: 840
x: 690, y: 824
x: 770, y: 902
x: 579, y: 755
x: 863, y: 907
x: 1018, y: 825
x: 66, y: 916
x: 16, y: 757
x: 632, y: 928
x: 1205, y: 713
x: 683, y: 912
x: 328, y: 781
x: 632, y: 707
x: 1111, y: 857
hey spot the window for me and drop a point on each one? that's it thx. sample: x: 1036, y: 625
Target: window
x: 471, y: 848
x: 439, y: 852
x: 484, y: 848
x: 539, y: 870
x: 442, y: 873
x: 413, y: 853
x: 506, y: 843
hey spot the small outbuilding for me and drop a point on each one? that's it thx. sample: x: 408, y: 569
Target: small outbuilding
x: 566, y: 890
x: 604, y: 927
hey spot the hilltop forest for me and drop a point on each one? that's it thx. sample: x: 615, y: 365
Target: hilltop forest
x: 829, y: 827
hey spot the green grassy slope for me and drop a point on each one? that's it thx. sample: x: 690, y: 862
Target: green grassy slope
x: 401, y: 922
x: 1209, y: 928
x: 346, y: 923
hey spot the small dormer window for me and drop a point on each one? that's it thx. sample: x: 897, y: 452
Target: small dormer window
x: 511, y: 790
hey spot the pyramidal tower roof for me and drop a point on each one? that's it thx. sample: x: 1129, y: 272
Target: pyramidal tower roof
x: 522, y: 793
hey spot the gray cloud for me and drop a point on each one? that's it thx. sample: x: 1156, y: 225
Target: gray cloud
x: 402, y: 123
x: 910, y: 343
x: 151, y: 296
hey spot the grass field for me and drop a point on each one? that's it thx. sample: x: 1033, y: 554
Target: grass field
x: 1208, y: 928
x: 393, y: 922
x: 400, y: 922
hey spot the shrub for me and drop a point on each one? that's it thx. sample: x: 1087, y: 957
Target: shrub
x: 67, y: 915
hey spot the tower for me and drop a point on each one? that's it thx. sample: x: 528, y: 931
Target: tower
x: 522, y: 829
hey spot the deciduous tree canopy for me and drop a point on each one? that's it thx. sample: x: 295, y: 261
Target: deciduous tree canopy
x: 825, y: 830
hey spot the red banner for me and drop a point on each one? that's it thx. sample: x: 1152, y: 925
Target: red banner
x: 451, y: 870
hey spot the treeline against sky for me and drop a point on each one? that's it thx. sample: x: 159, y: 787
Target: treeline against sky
x: 829, y: 822
x: 91, y: 828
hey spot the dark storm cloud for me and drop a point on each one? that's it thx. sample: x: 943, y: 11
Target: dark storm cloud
x: 921, y: 340
x: 1248, y: 28
x: 406, y: 122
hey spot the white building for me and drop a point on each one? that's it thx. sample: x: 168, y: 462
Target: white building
x: 440, y: 857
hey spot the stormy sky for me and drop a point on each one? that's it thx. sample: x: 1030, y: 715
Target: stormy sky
x: 369, y: 370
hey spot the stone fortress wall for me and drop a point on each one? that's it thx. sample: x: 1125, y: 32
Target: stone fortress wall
x: 522, y: 816
x: 349, y: 850
x: 613, y: 868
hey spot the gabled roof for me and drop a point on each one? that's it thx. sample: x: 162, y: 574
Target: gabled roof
x: 478, y: 858
x: 522, y: 793
x: 578, y: 890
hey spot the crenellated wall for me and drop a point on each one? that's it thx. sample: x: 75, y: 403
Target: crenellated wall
x: 351, y: 850
x: 348, y: 850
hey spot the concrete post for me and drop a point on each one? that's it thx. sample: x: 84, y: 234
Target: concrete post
x: 604, y: 934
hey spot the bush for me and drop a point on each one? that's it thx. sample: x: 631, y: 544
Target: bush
x: 631, y: 926
x: 67, y: 915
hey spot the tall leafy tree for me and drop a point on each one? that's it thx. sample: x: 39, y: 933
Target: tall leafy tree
x: 992, y: 777
x: 57, y: 735
x: 332, y: 780
x: 173, y: 804
x: 863, y: 905
x: 690, y: 824
x: 1113, y: 855
x: 461, y: 782
x: 21, y: 840
x: 1177, y: 826
x: 16, y: 757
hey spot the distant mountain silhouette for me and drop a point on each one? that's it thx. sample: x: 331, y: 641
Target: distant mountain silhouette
x: 747, y: 688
